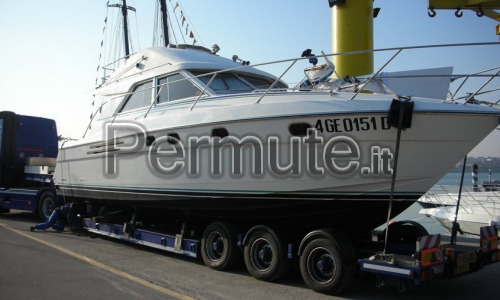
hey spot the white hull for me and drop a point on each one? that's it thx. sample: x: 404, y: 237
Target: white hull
x: 470, y: 217
x: 467, y: 197
x: 424, y: 152
x: 477, y: 209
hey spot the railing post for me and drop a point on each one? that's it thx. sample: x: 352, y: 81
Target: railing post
x: 276, y: 81
x: 204, y: 89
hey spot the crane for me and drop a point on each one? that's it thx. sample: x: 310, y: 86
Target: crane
x: 352, y: 29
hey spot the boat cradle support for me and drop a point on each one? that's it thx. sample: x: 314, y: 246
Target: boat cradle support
x: 158, y: 240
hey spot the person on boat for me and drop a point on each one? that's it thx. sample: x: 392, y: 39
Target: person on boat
x: 60, y: 217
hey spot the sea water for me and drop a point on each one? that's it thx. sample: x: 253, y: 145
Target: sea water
x: 454, y: 178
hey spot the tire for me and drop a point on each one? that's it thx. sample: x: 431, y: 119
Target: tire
x: 219, y: 250
x: 326, y: 267
x: 46, y: 204
x: 265, y: 257
x: 404, y: 232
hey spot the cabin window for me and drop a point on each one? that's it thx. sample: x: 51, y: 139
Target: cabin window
x: 176, y: 87
x: 140, y: 97
x: 261, y: 83
x: 226, y: 83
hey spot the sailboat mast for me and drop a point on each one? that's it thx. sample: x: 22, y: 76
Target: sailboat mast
x: 163, y: 8
x: 125, y: 27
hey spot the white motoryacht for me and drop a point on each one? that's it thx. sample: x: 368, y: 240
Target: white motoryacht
x: 182, y: 129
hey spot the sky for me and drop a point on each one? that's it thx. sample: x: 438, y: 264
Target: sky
x: 51, y: 48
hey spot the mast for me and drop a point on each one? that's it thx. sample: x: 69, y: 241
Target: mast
x: 163, y: 8
x: 125, y: 27
x: 125, y: 9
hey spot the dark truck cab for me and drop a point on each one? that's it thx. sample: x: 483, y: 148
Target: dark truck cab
x: 28, y: 152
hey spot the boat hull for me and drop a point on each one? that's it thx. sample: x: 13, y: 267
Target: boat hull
x: 355, y: 215
x: 345, y: 164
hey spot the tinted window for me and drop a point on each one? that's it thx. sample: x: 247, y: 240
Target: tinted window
x: 176, y: 87
x: 260, y: 83
x: 226, y: 83
x: 140, y: 97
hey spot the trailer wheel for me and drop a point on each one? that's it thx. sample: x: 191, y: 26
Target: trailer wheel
x: 219, y: 249
x: 325, y: 268
x: 46, y: 204
x: 264, y: 256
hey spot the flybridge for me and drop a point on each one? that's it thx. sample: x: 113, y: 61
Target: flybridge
x: 118, y: 53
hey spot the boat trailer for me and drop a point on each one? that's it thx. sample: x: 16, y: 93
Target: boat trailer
x: 430, y: 260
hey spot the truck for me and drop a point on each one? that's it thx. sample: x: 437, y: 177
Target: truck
x: 28, y: 152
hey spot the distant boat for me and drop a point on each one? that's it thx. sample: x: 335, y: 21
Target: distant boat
x: 469, y: 217
x: 478, y: 207
x: 442, y: 195
x: 493, y: 185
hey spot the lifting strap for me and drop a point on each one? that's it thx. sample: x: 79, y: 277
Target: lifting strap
x: 400, y: 116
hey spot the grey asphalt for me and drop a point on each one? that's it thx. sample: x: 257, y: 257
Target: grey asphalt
x: 31, y: 270
x: 98, y: 268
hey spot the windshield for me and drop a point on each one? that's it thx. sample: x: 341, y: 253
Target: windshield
x: 231, y: 83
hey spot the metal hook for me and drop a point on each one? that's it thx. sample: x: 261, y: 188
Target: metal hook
x: 432, y: 13
x: 480, y: 12
x: 459, y: 13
